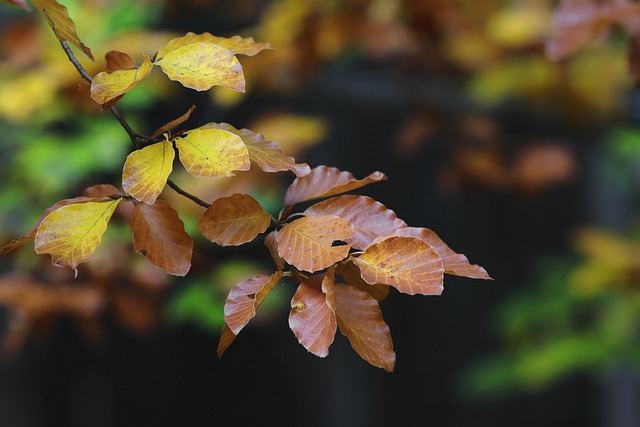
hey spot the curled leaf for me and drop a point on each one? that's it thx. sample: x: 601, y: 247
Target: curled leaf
x: 174, y: 123
x: 57, y: 17
x: 146, y: 171
x: 236, y: 44
x: 325, y: 181
x: 245, y: 298
x: 234, y: 220
x: 109, y: 86
x: 226, y: 338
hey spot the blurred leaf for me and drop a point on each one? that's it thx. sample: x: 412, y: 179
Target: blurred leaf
x: 58, y: 19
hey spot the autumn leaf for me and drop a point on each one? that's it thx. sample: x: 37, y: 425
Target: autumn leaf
x: 158, y: 234
x: 271, y: 243
x: 201, y: 66
x: 146, y: 171
x: 20, y: 3
x: 266, y: 154
x: 116, y: 60
x: 307, y: 243
x: 351, y: 274
x: 71, y: 233
x: 360, y: 320
x: 236, y: 44
x: 226, y: 338
x: 108, y: 86
x: 101, y: 190
x: 370, y: 219
x: 454, y: 263
x: 312, y: 318
x: 245, y: 298
x: 325, y: 181
x: 234, y: 220
x: 174, y: 123
x: 57, y: 17
x: 407, y: 263
x: 212, y: 153
x: 32, y: 233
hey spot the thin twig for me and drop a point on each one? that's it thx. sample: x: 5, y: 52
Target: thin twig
x: 180, y: 191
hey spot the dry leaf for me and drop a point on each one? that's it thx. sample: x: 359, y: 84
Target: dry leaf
x: 245, y: 298
x: 57, y: 17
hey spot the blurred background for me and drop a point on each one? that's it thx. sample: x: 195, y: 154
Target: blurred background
x: 509, y: 127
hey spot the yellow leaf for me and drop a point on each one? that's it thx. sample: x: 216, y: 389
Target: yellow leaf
x: 212, y: 153
x: 146, y: 171
x: 72, y: 233
x: 108, y: 86
x: 201, y: 66
x: 236, y: 44
x: 57, y: 17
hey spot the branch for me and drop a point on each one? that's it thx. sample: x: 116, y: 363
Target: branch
x: 135, y: 137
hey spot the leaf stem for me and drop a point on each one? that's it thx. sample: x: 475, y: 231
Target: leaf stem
x: 180, y: 191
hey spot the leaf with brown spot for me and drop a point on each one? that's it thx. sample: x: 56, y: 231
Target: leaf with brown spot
x: 360, y: 320
x: 351, y: 274
x: 146, y: 171
x: 236, y: 44
x: 306, y: 243
x: 407, y: 263
x: 312, y: 318
x: 57, y: 17
x: 271, y: 242
x: 325, y: 181
x: 234, y: 220
x: 158, y: 234
x: 370, y: 219
x: 245, y: 298
x: 174, y: 123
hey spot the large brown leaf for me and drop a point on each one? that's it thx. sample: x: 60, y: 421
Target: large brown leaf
x: 407, y: 263
x: 307, y: 243
x: 57, y: 17
x: 158, y: 234
x: 234, y: 220
x: 245, y: 298
x: 312, y: 318
x: 370, y: 219
x: 325, y: 181
x: 360, y: 320
x: 351, y: 274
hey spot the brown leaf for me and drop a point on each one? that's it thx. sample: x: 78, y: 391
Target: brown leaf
x: 101, y: 190
x: 360, y: 320
x: 245, y: 298
x: 158, y: 234
x: 407, y: 263
x: 174, y: 123
x: 312, y: 319
x: 271, y: 243
x: 370, y: 219
x: 306, y: 243
x: 57, y: 17
x: 325, y: 181
x: 116, y: 60
x: 234, y: 220
x: 454, y: 263
x: 226, y: 338
x: 266, y: 154
x: 351, y: 274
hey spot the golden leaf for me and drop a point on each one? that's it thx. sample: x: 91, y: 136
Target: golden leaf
x: 108, y: 86
x: 57, y: 17
x: 146, y: 171
x: 236, y: 44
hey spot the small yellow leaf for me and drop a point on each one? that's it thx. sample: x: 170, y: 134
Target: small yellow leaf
x: 236, y: 44
x: 212, y: 153
x: 146, y: 171
x: 57, y: 17
x: 201, y: 66
x: 108, y: 86
x: 71, y: 234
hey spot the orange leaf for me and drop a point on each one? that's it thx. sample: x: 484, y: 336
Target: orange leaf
x: 116, y: 60
x: 245, y: 298
x: 146, y: 171
x: 306, y: 243
x: 266, y: 154
x: 234, y: 220
x: 226, y: 338
x: 158, y: 234
x: 370, y: 219
x: 174, y: 123
x: 312, y: 318
x: 407, y: 263
x: 360, y: 320
x: 351, y: 274
x: 271, y: 243
x: 324, y: 181
x: 236, y: 44
x: 454, y: 263
x: 57, y: 17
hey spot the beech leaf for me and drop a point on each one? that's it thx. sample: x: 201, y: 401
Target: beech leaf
x: 407, y: 263
x: 226, y: 338
x: 116, y: 60
x: 312, y: 318
x: 245, y: 298
x: 234, y: 220
x: 146, y: 171
x: 201, y: 66
x: 57, y: 17
x: 360, y: 320
x: 325, y: 181
x: 212, y: 153
x: 266, y: 154
x: 236, y: 44
x: 109, y: 86
x: 174, y: 123
x: 454, y: 263
x: 271, y: 243
x: 306, y: 243
x: 370, y: 219
x: 158, y: 234
x: 351, y: 274
x: 101, y: 190
x: 71, y: 233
